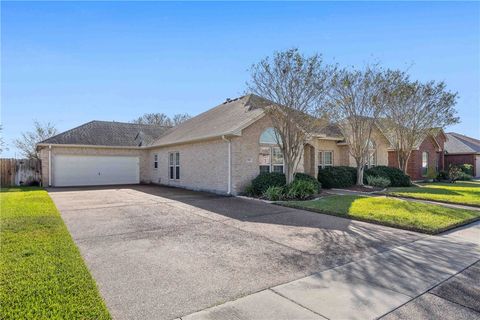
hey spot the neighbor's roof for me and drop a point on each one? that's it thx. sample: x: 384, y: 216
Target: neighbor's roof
x: 458, y: 143
x: 109, y: 133
x: 228, y: 118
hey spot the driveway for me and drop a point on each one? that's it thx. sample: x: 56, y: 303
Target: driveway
x: 161, y: 253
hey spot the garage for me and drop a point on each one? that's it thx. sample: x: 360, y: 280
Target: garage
x: 83, y: 170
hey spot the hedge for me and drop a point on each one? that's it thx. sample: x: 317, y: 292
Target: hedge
x: 337, y: 177
x: 396, y: 176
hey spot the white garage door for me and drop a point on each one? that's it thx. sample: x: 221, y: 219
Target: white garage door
x: 477, y: 166
x: 70, y: 170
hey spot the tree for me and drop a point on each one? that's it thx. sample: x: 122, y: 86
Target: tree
x: 27, y: 144
x: 355, y: 102
x: 2, y: 142
x: 414, y: 111
x: 295, y: 84
x: 161, y: 119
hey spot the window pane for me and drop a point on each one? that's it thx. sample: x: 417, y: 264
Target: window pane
x: 171, y: 172
x: 269, y: 136
x: 171, y: 158
x: 155, y: 164
x: 320, y: 158
x: 328, y: 158
x: 155, y: 157
x: 264, y: 156
x: 278, y: 169
x: 177, y: 159
x: 264, y: 169
x: 277, y: 156
x: 177, y: 173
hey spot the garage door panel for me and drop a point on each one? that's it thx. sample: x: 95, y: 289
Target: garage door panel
x: 76, y: 170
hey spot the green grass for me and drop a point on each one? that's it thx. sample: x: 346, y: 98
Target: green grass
x: 42, y: 275
x: 465, y: 192
x: 397, y: 213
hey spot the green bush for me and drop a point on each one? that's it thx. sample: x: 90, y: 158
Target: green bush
x: 337, y: 177
x: 396, y: 176
x: 442, y: 175
x: 265, y: 180
x: 467, y: 168
x: 301, y: 189
x: 249, y: 191
x: 274, y: 193
x: 377, y: 181
x: 306, y: 177
x: 431, y: 173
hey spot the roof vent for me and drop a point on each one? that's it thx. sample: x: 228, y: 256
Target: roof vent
x: 227, y: 100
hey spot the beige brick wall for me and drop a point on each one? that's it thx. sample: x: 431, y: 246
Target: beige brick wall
x: 382, y: 145
x: 56, y: 150
x: 203, y: 166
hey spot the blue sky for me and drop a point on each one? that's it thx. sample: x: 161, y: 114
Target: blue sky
x: 72, y: 62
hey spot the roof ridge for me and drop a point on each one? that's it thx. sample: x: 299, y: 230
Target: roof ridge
x: 67, y: 131
x: 131, y: 123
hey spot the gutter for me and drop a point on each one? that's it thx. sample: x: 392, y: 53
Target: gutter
x: 229, y: 188
x: 49, y: 165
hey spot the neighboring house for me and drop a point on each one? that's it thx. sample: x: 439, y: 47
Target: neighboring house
x: 460, y: 149
x: 220, y: 150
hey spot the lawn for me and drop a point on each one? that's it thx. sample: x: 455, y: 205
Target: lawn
x: 464, y: 192
x: 402, y: 214
x: 42, y: 275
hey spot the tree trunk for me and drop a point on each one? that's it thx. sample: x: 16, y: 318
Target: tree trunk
x: 360, y: 170
x: 289, y: 174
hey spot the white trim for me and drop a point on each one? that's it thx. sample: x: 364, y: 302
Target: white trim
x: 87, y: 146
x: 49, y: 165
x: 229, y: 186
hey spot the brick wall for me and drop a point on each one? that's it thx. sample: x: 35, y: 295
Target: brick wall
x: 460, y: 159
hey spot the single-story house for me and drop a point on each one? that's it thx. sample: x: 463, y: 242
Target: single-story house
x: 220, y: 150
x: 460, y: 149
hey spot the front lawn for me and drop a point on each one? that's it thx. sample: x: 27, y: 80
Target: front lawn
x: 465, y: 192
x: 402, y: 214
x: 42, y: 275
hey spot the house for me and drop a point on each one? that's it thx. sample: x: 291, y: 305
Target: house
x: 220, y: 150
x: 460, y: 149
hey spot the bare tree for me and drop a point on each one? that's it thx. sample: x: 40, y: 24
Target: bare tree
x: 27, y: 144
x: 295, y: 84
x: 355, y: 102
x: 414, y: 111
x: 2, y: 142
x: 162, y: 119
x: 180, y: 118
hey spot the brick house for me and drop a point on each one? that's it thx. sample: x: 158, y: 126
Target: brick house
x: 460, y: 149
x: 220, y: 150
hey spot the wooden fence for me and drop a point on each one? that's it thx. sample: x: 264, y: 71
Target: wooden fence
x: 18, y: 172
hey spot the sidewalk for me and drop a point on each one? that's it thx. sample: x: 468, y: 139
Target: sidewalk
x: 422, y: 279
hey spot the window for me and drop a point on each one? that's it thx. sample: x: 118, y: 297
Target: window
x: 270, y: 157
x: 424, y: 163
x: 174, y: 165
x: 325, y: 159
x: 155, y: 161
x: 372, y: 155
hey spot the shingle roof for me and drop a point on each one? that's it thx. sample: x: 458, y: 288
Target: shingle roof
x: 108, y: 133
x: 459, y: 143
x: 228, y: 118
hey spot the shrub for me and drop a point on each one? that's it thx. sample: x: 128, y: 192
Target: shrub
x: 249, y: 191
x: 273, y: 193
x: 454, y: 173
x: 396, y: 176
x: 337, y: 177
x: 377, y: 181
x: 467, y: 168
x: 264, y: 180
x: 306, y: 177
x: 464, y: 177
x: 301, y: 189
x: 431, y: 173
x: 442, y: 175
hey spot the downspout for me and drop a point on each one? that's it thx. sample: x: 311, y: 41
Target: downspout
x: 229, y: 188
x: 49, y: 165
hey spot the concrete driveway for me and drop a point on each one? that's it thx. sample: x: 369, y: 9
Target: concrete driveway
x: 162, y: 253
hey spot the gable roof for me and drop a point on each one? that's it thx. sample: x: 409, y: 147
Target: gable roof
x: 459, y: 143
x: 228, y: 118
x: 109, y: 133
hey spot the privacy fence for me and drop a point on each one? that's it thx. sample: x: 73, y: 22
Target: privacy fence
x: 20, y: 172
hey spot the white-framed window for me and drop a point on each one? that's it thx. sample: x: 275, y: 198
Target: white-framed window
x: 174, y: 165
x: 155, y: 161
x: 325, y: 159
x: 270, y: 156
x: 424, y: 163
x: 372, y: 154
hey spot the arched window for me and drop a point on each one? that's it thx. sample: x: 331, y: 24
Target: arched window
x: 270, y: 157
x: 372, y: 154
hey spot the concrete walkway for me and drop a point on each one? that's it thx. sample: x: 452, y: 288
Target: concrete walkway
x: 431, y: 278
